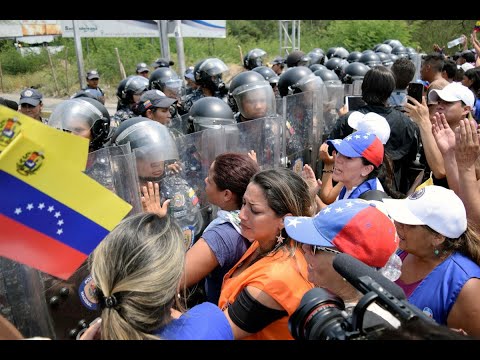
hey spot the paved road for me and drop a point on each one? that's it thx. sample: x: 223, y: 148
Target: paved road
x: 49, y: 103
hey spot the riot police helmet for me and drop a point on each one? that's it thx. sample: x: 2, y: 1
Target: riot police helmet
x: 410, y: 51
x: 268, y: 74
x: 384, y: 48
x: 355, y: 71
x: 385, y: 58
x: 340, y: 52
x: 400, y: 51
x: 393, y: 43
x: 329, y: 77
x: 152, y: 144
x: 370, y: 59
x: 120, y: 90
x: 84, y: 117
x: 208, y: 73
x: 254, y: 58
x: 253, y: 95
x: 210, y: 112
x: 330, y: 52
x: 291, y: 77
x: 315, y: 67
x: 316, y: 57
x: 166, y: 80
x: 85, y: 93
x: 297, y: 58
x: 354, y: 56
x: 135, y: 85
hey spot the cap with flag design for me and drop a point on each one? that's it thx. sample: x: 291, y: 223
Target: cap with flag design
x: 360, y: 144
x: 353, y: 226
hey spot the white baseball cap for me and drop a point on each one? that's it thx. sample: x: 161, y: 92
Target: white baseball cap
x: 454, y: 91
x: 435, y: 206
x: 371, y: 123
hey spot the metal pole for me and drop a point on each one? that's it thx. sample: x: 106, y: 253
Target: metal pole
x: 160, y: 37
x: 164, y: 38
x: 78, y: 50
x: 180, y: 52
x: 280, y: 38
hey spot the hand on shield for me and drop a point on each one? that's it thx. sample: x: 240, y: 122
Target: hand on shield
x: 151, y: 200
x: 252, y: 155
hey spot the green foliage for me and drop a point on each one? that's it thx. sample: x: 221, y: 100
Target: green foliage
x: 242, y: 36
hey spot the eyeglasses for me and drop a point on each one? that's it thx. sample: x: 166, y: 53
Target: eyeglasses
x: 316, y: 248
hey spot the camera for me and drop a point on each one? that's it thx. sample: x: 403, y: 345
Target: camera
x: 322, y: 315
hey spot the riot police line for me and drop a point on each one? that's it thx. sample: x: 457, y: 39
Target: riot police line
x: 41, y: 305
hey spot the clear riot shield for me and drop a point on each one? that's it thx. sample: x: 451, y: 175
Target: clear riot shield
x: 331, y: 107
x: 303, y: 113
x: 264, y: 136
x: 417, y: 60
x: 357, y: 87
x: 114, y: 167
x: 22, y: 301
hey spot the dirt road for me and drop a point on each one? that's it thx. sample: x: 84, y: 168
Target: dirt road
x: 49, y: 103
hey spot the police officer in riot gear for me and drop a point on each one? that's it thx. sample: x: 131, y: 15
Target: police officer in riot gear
x: 370, y: 59
x: 385, y: 59
x: 253, y: 96
x: 135, y: 86
x: 385, y: 48
x: 291, y: 77
x: 270, y: 76
x: 84, y: 117
x: 168, y: 82
x: 354, y: 71
x: 157, y: 158
x: 208, y: 75
x: 208, y: 112
x: 253, y: 58
x: 354, y: 56
x: 400, y: 51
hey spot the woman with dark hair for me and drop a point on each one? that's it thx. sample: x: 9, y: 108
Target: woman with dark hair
x: 266, y: 285
x: 403, y: 144
x: 221, y: 243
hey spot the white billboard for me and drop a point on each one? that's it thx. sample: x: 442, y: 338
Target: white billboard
x: 143, y: 28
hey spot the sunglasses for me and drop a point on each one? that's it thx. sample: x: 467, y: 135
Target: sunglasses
x: 316, y: 248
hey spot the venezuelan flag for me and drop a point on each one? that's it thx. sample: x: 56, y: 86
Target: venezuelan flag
x: 52, y: 217
x: 476, y: 28
x: 71, y: 149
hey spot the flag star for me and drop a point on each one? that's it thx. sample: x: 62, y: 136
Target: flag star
x: 339, y: 210
x: 60, y: 222
x: 348, y: 138
x: 368, y: 133
x: 18, y: 211
x: 357, y: 136
x: 337, y: 141
x: 59, y: 231
x: 29, y: 206
x: 327, y: 210
x: 41, y: 206
x: 51, y: 208
x: 365, y: 136
x: 57, y: 214
x: 349, y: 204
x: 293, y: 222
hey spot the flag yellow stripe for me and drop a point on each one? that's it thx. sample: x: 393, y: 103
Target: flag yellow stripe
x: 69, y: 186
x: 71, y: 150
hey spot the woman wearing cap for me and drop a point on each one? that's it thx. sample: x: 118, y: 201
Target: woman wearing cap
x: 369, y: 123
x: 265, y: 287
x: 441, y: 256
x: 358, y: 158
x: 355, y: 227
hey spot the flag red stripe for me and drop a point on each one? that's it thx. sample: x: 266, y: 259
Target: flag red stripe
x: 33, y: 248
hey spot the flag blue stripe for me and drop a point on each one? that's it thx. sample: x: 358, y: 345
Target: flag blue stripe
x: 43, y: 213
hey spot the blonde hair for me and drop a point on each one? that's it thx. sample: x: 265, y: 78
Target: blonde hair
x: 140, y: 264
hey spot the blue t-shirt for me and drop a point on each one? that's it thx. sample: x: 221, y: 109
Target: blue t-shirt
x: 205, y: 321
x: 228, y: 246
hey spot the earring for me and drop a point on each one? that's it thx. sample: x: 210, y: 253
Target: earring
x: 436, y: 252
x: 280, y: 238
